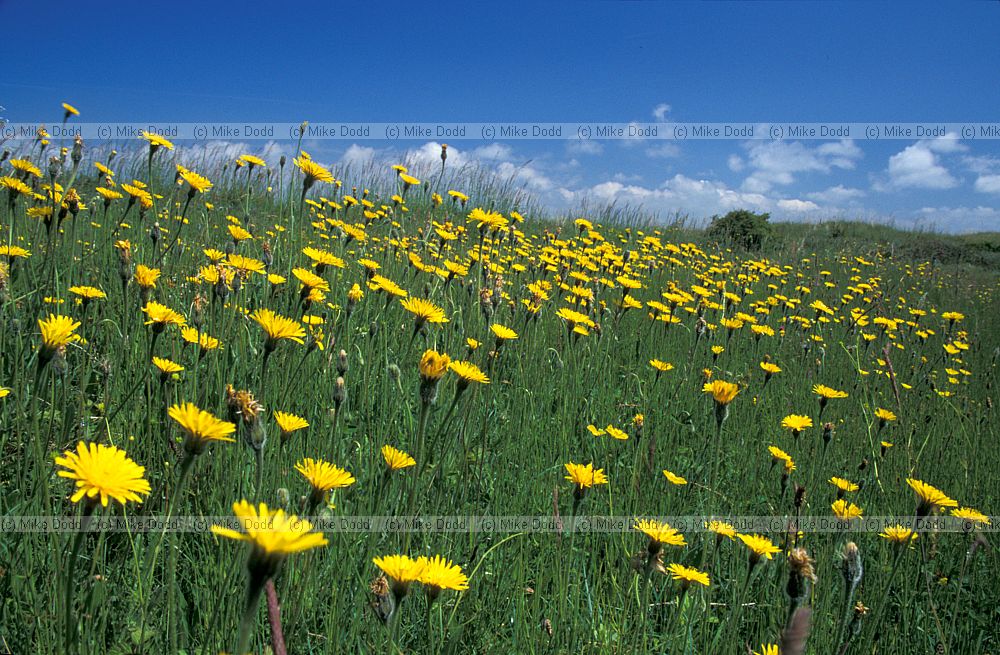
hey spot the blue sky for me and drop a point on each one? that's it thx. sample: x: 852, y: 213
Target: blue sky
x: 589, y: 61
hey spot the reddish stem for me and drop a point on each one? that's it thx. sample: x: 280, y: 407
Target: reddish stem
x: 274, y: 619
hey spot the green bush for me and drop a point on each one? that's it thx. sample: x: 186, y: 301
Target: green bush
x: 742, y: 228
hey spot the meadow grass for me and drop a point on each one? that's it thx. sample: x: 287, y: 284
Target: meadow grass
x: 498, y: 448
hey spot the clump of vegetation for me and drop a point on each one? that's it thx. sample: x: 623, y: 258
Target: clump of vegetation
x: 741, y: 227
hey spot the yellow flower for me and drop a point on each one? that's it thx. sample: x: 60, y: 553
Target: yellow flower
x: 160, y: 316
x: 843, y: 485
x: 277, y: 328
x: 433, y: 365
x: 70, y: 110
x: 103, y: 472
x: 424, y: 311
x: 156, y: 141
x: 202, y: 340
x: 323, y: 258
x: 313, y: 171
x: 721, y: 529
x: 722, y: 392
x: 438, y: 573
x: 273, y: 534
x: 200, y: 427
x: 767, y: 649
x: 972, y: 515
x: 827, y: 393
x: 324, y: 476
x: 401, y: 570
x: 310, y: 280
x: 88, y: 293
x: 898, y: 534
x: 929, y: 497
x: 845, y: 510
x: 166, y: 367
x: 146, y: 277
x: 408, y: 180
x: 468, y: 372
x: 687, y: 575
x: 884, y: 415
x: 661, y: 366
x: 396, y: 459
x: 796, y: 423
x: 585, y: 476
x: 57, y: 331
x: 197, y: 183
x: 616, y: 433
x: 660, y: 534
x: 502, y: 332
x: 759, y: 546
x: 674, y: 478
x: 289, y: 423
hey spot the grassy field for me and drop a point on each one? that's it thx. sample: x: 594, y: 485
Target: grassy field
x: 598, y: 339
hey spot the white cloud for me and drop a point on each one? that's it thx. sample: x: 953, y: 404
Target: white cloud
x: 530, y: 176
x: 988, y: 184
x: 491, y: 151
x: 356, y: 155
x: 982, y: 164
x: 699, y: 198
x: 794, y: 205
x: 735, y: 163
x: 836, y: 195
x: 916, y: 166
x: 946, y: 144
x: 776, y: 163
x: 660, y: 111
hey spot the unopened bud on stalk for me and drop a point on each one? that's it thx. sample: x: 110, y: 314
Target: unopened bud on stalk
x: 339, y: 394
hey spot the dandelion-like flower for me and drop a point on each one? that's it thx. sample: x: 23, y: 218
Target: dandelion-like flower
x: 759, y: 546
x: 277, y: 328
x: 396, y: 459
x: 687, y: 575
x: 102, y: 473
x: 424, y: 311
x: 401, y: 570
x: 897, y: 534
x: 846, y: 511
x: 57, y: 331
x: 583, y: 477
x: 322, y: 477
x: 796, y: 423
x: 200, y: 427
x: 438, y: 573
x: 272, y: 534
x: 929, y: 497
x: 660, y: 534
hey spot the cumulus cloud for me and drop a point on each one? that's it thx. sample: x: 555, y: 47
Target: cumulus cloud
x: 356, y: 155
x: 988, y: 184
x: 660, y: 112
x: 916, y: 166
x: 699, y: 198
x: 776, y: 163
x: 919, y: 166
x: 836, y: 195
